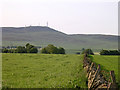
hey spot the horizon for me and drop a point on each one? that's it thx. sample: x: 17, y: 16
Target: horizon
x: 74, y: 17
x: 61, y: 31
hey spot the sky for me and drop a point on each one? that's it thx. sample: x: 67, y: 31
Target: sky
x: 68, y: 16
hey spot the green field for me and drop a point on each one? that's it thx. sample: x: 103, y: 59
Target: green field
x: 50, y: 70
x: 42, y: 71
x: 107, y: 63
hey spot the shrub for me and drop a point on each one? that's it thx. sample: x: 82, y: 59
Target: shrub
x: 61, y: 50
x: 44, y: 50
x: 31, y: 48
x: 104, y: 52
x: 88, y: 51
x: 51, y: 49
x: 4, y: 50
x: 21, y: 49
x: 109, y: 52
x: 77, y: 52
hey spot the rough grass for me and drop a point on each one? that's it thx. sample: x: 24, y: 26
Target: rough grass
x: 108, y: 63
x: 42, y: 71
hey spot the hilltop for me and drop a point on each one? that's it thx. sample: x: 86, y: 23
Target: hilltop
x: 42, y: 36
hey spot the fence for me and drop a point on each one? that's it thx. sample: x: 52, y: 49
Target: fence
x: 96, y: 79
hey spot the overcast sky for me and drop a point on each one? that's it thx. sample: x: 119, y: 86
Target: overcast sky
x: 68, y: 16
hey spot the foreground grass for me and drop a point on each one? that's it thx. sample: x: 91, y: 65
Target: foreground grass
x: 42, y: 71
x: 108, y: 63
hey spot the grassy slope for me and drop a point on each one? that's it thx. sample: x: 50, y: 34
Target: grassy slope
x: 107, y: 63
x: 40, y: 71
x: 42, y: 36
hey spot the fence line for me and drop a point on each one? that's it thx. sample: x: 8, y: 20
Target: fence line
x: 96, y: 79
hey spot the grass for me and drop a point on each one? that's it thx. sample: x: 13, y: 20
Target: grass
x: 42, y: 71
x: 108, y: 63
x: 42, y: 36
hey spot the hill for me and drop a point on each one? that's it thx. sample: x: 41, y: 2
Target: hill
x: 42, y: 36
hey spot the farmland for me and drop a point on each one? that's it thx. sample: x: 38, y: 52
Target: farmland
x: 50, y: 70
x: 42, y: 71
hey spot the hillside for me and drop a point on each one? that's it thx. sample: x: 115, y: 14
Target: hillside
x: 42, y: 36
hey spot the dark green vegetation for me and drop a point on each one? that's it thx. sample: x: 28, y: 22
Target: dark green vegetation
x: 88, y: 51
x: 42, y: 36
x: 109, y: 52
x: 21, y: 49
x: 51, y: 49
x: 107, y: 63
x: 42, y: 71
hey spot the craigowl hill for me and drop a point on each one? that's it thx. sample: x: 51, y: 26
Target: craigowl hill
x: 42, y: 36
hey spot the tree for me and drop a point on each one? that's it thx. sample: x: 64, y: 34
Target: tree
x: 114, y: 52
x: 104, y: 52
x: 61, y: 50
x: 109, y: 52
x: 4, y: 50
x: 33, y: 50
x: 77, y: 52
x: 88, y: 51
x: 83, y: 49
x: 44, y: 50
x: 51, y: 49
x: 21, y: 49
x: 10, y: 51
x: 27, y: 45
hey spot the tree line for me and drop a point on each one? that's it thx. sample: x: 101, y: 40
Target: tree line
x: 51, y: 49
x: 14, y: 47
x: 109, y: 52
x: 21, y: 49
x: 102, y: 52
x: 28, y: 48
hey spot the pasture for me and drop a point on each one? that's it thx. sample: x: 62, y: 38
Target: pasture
x: 42, y: 71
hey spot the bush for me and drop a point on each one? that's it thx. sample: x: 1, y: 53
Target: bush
x: 51, y: 49
x: 31, y: 48
x: 21, y: 49
x: 44, y: 50
x: 61, y: 50
x: 77, y: 52
x: 4, y: 50
x: 104, y: 52
x: 88, y: 51
x: 10, y: 51
x: 109, y: 52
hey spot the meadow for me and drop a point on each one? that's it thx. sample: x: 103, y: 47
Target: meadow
x: 108, y: 63
x: 42, y: 71
x: 51, y: 70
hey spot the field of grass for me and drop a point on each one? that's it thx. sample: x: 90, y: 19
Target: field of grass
x: 42, y: 71
x: 107, y: 63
